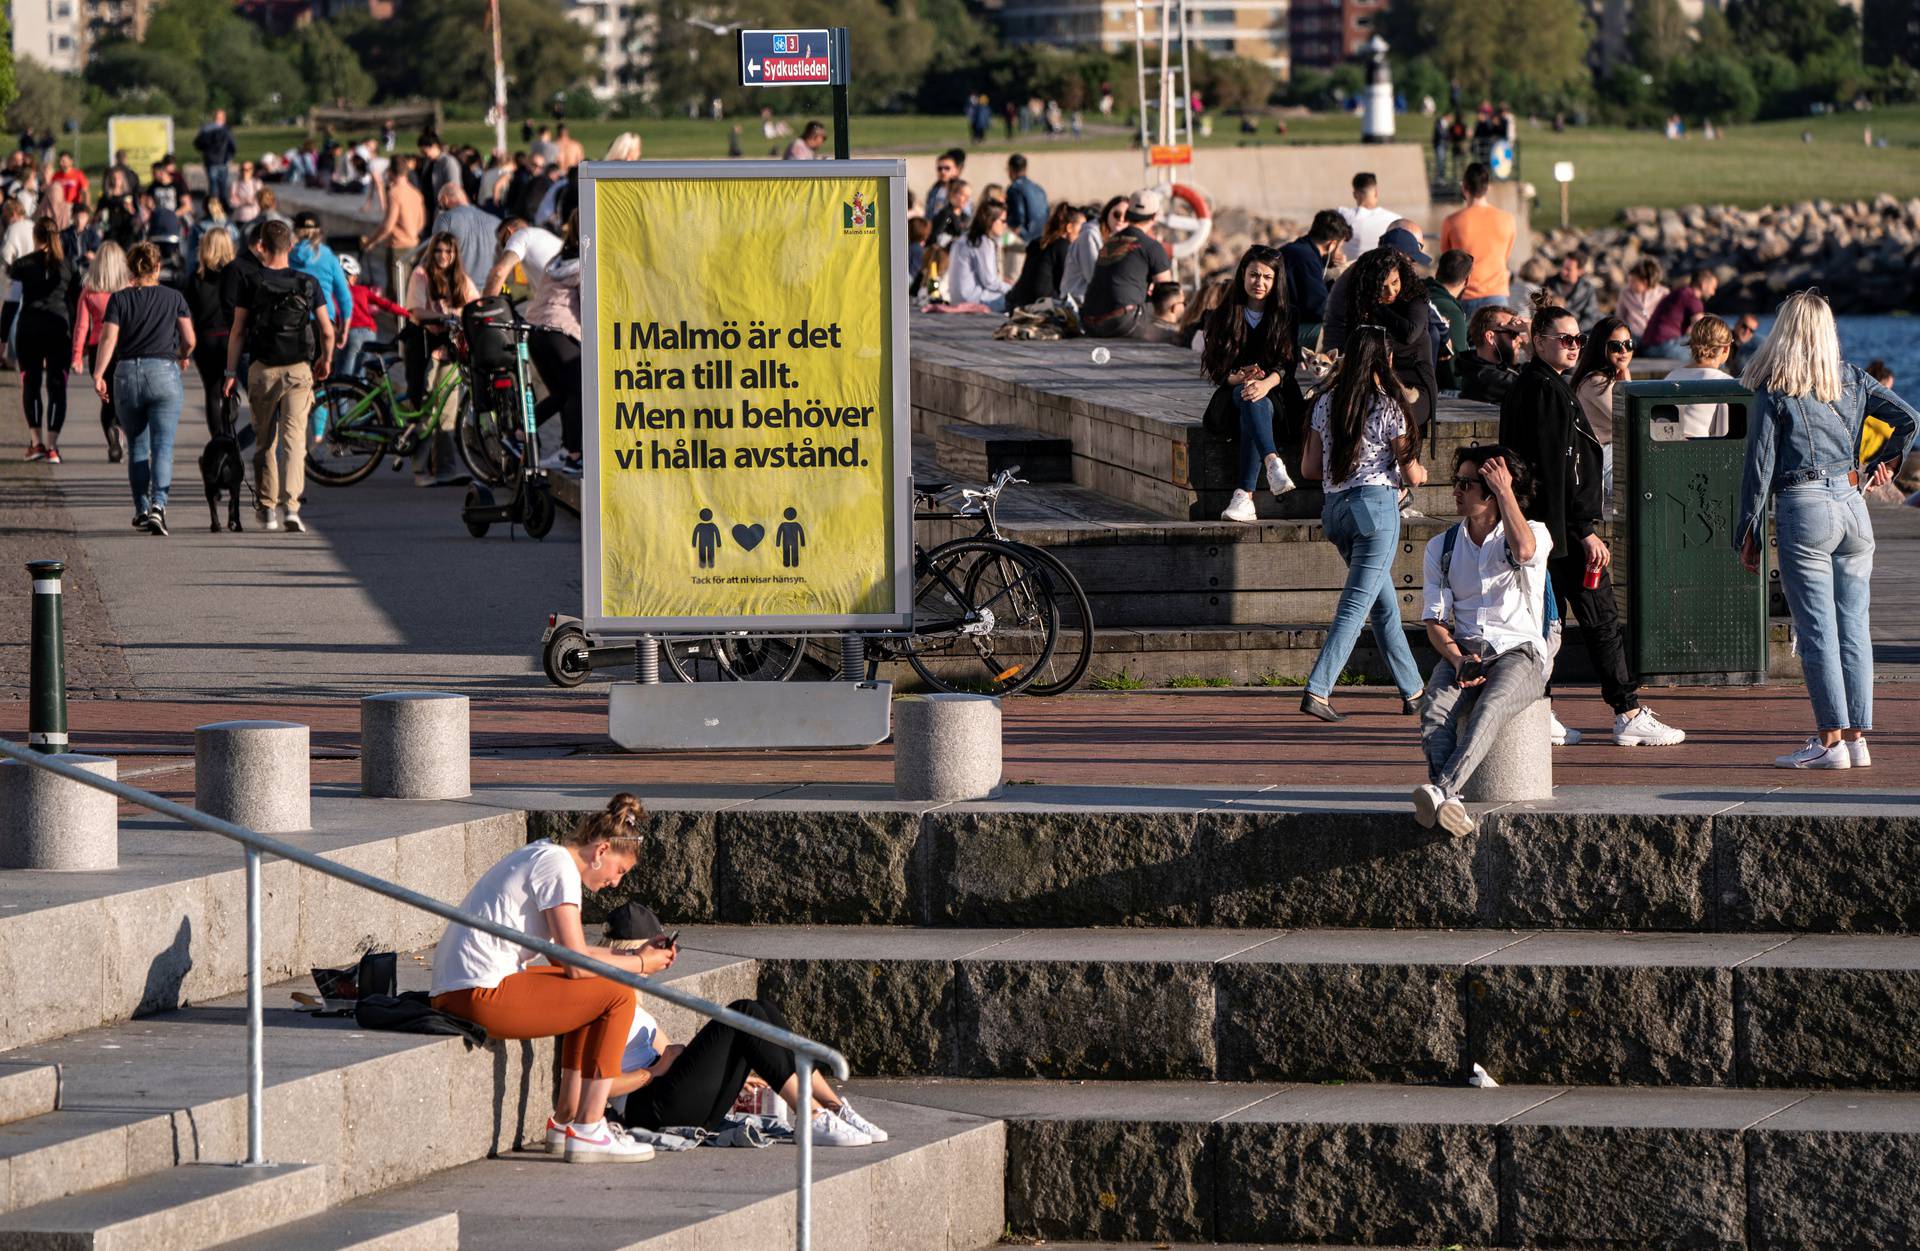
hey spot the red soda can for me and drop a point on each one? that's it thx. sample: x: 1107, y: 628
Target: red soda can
x: 1593, y: 577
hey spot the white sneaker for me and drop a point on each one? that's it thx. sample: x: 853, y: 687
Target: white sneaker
x: 1240, y: 508
x: 1562, y: 736
x: 1426, y: 805
x: 1643, y: 729
x: 1277, y: 480
x: 873, y: 1132
x: 1815, y: 756
x: 294, y: 523
x: 269, y: 519
x: 604, y: 1144
x: 556, y: 1141
x: 1455, y: 819
x: 830, y: 1131
x: 1857, y: 748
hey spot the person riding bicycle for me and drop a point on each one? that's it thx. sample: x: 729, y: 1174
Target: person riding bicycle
x: 362, y: 329
x: 554, y: 312
x: 438, y: 290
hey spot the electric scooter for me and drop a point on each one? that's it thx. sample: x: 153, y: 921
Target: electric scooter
x: 502, y: 377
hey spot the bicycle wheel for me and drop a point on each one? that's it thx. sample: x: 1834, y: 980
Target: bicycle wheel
x: 736, y: 657
x: 357, y: 433
x: 489, y: 449
x: 1074, y: 652
x: 984, y: 619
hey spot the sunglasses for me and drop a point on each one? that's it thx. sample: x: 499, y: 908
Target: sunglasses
x: 1461, y: 484
x: 1509, y: 331
x: 1564, y: 340
x: 1621, y: 345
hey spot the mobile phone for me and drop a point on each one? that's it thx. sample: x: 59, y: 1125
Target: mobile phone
x: 668, y: 941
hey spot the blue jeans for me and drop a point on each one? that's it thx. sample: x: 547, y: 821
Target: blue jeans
x: 1826, y: 566
x: 1364, y: 524
x: 146, y: 402
x: 1256, y: 438
x: 220, y: 183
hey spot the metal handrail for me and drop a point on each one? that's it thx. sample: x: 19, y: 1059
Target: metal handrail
x: 805, y: 1051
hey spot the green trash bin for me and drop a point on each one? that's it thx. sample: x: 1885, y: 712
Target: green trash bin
x: 1695, y: 617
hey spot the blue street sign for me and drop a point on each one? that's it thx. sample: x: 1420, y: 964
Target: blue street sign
x: 787, y: 58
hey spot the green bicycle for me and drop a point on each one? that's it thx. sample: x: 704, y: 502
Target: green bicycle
x: 366, y: 420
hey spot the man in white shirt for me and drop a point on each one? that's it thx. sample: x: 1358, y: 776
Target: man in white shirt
x: 1368, y: 219
x: 1485, y: 611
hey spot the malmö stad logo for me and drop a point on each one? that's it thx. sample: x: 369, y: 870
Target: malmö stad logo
x: 857, y: 215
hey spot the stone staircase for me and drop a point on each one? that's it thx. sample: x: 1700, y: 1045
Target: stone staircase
x: 1197, y: 1024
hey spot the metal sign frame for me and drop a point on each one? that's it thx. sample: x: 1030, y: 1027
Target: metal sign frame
x: 900, y: 450
x: 832, y: 53
x: 113, y: 133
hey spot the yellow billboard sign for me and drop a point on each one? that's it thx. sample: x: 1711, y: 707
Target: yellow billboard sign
x: 145, y: 140
x: 744, y: 347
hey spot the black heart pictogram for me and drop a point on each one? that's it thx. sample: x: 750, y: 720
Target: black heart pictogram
x: 748, y: 537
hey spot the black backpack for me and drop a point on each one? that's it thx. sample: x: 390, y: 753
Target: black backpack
x: 280, y: 323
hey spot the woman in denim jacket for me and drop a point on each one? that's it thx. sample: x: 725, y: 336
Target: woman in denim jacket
x: 1803, y: 440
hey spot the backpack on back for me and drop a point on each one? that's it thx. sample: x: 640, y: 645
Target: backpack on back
x: 280, y: 323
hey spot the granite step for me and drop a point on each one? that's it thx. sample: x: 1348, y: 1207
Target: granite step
x: 358, y: 1231
x: 1286, y: 857
x: 1529, y: 1006
x: 27, y: 1090
x: 935, y: 1185
x: 1384, y: 1165
x: 183, y: 1209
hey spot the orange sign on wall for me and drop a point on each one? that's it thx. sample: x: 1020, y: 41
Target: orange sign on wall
x: 1170, y: 154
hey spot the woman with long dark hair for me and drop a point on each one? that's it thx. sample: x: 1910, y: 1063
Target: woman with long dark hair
x: 44, y: 337
x: 1363, y: 448
x: 1803, y: 444
x: 439, y: 289
x: 1250, y: 349
x: 1386, y: 292
x: 1605, y: 361
x: 974, y: 269
x: 1046, y: 262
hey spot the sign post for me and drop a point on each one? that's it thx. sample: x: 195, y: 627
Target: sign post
x: 744, y: 337
x: 801, y: 58
x: 1563, y: 174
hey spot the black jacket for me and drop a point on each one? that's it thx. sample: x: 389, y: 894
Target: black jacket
x: 1542, y: 425
x: 1484, y: 380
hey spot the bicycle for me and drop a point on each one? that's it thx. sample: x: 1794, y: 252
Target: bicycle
x: 1068, y: 663
x: 966, y: 592
x: 366, y: 419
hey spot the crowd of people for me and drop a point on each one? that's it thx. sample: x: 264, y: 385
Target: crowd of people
x: 1337, y: 345
x: 266, y: 308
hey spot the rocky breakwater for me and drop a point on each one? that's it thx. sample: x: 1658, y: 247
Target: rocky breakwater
x: 1862, y: 255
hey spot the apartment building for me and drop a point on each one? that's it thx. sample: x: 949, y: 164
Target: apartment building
x: 1254, y: 29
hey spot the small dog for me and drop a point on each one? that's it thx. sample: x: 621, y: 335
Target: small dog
x: 222, y: 469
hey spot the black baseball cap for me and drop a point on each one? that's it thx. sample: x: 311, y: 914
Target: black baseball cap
x: 305, y: 219
x: 633, y: 923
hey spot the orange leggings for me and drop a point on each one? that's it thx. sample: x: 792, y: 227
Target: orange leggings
x: 591, y: 1014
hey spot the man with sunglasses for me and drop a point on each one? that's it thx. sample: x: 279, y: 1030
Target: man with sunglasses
x: 1488, y: 373
x: 1484, y: 607
x: 946, y: 168
x: 1543, y: 425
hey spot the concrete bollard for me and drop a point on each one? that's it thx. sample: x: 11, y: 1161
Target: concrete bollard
x: 253, y: 773
x: 1520, y: 766
x: 946, y: 747
x: 414, y: 745
x: 51, y: 822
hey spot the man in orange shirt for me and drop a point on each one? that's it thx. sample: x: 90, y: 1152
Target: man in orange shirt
x: 1485, y: 232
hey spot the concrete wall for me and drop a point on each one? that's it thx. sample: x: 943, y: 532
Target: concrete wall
x: 1271, y: 180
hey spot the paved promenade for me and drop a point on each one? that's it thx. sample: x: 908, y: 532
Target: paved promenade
x: 388, y: 591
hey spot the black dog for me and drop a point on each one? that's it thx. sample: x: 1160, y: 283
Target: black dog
x: 221, y: 468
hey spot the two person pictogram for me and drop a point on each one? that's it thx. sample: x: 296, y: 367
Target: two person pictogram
x: 790, y: 535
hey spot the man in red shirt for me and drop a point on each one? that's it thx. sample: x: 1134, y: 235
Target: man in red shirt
x: 71, y: 181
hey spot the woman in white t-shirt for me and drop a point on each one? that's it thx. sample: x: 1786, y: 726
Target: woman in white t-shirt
x: 664, y: 1084
x: 1363, y: 450
x: 1710, y: 342
x: 495, y: 983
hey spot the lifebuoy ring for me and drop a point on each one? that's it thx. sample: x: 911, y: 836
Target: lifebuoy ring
x: 1189, y: 220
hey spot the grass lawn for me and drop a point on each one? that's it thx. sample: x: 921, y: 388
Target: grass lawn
x: 1752, y: 165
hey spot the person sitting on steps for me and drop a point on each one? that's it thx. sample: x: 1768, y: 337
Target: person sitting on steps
x: 1485, y: 609
x: 1249, y: 352
x: 664, y: 1084
x: 495, y: 983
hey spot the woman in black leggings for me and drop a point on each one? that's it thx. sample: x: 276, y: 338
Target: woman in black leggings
x: 668, y: 1085
x: 44, y: 338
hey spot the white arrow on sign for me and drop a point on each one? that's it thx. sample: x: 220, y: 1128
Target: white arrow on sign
x: 753, y: 67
